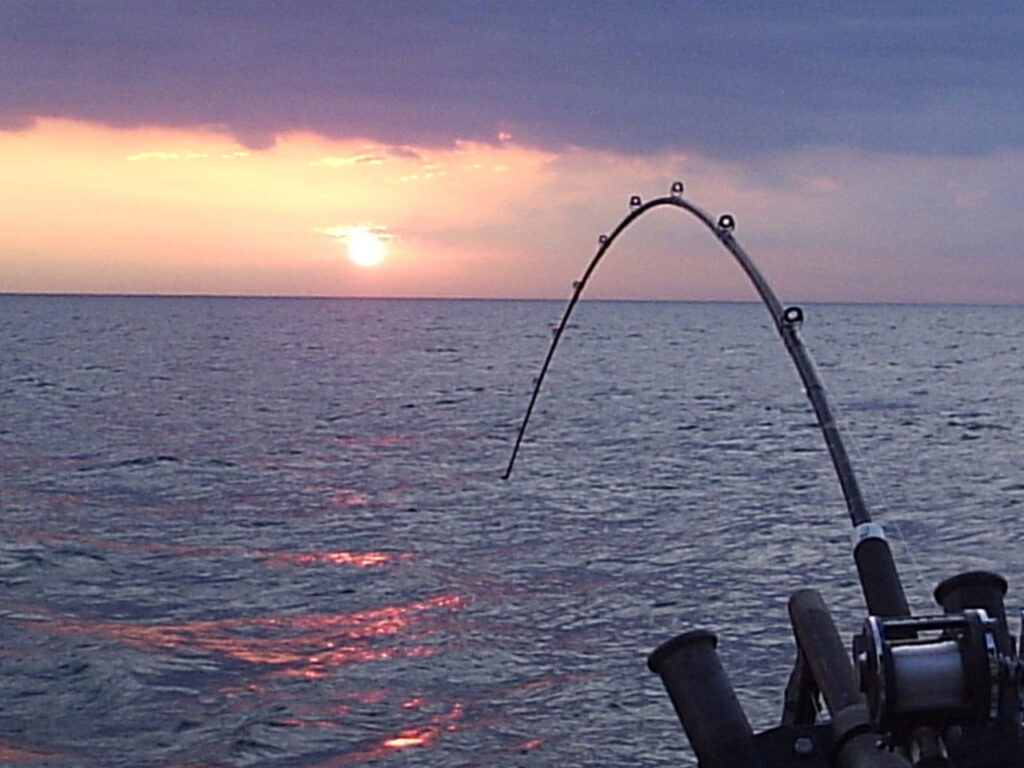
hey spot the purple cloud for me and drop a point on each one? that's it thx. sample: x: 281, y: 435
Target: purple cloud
x: 922, y: 77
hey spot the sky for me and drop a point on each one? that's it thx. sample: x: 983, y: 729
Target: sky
x: 870, y: 151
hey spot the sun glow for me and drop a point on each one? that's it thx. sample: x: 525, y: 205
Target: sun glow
x: 192, y: 211
x: 364, y: 247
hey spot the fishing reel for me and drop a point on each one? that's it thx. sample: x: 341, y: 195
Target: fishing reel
x: 956, y: 673
x: 934, y: 671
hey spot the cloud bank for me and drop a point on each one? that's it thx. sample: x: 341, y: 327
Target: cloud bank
x: 723, y: 79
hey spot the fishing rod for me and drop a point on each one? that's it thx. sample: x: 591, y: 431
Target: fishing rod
x: 929, y: 692
x: 882, y: 587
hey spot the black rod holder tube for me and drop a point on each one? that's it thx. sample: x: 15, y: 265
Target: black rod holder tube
x: 712, y: 717
x: 977, y: 589
x: 854, y: 746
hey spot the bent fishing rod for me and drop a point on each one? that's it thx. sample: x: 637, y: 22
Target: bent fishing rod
x: 882, y: 588
x: 938, y: 691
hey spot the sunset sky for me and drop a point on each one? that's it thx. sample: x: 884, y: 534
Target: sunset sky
x: 870, y: 151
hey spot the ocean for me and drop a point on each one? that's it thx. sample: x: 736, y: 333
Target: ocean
x: 273, y: 532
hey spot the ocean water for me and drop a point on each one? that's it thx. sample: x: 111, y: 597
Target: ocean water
x: 271, y: 532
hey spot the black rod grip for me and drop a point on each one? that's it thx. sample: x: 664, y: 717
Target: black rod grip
x: 712, y: 717
x: 879, y: 579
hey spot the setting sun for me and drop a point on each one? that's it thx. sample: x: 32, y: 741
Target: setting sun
x: 364, y: 247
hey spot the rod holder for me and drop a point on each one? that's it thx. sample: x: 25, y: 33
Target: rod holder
x: 977, y: 589
x: 704, y: 700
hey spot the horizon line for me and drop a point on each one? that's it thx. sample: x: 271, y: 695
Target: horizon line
x: 614, y: 299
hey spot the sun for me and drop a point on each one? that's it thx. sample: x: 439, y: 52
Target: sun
x: 364, y: 247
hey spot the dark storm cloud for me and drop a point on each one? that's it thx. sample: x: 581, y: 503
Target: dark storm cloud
x: 926, y: 77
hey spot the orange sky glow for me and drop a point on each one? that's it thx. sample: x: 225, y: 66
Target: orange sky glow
x: 93, y: 209
x: 86, y: 208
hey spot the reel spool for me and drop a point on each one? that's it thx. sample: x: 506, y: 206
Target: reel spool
x: 933, y: 671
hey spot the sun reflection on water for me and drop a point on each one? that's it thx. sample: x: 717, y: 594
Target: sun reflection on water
x: 308, y: 645
x: 366, y: 559
x: 12, y: 754
x: 357, y: 559
x: 422, y: 734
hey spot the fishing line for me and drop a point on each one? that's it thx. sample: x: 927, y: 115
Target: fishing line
x: 883, y: 502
